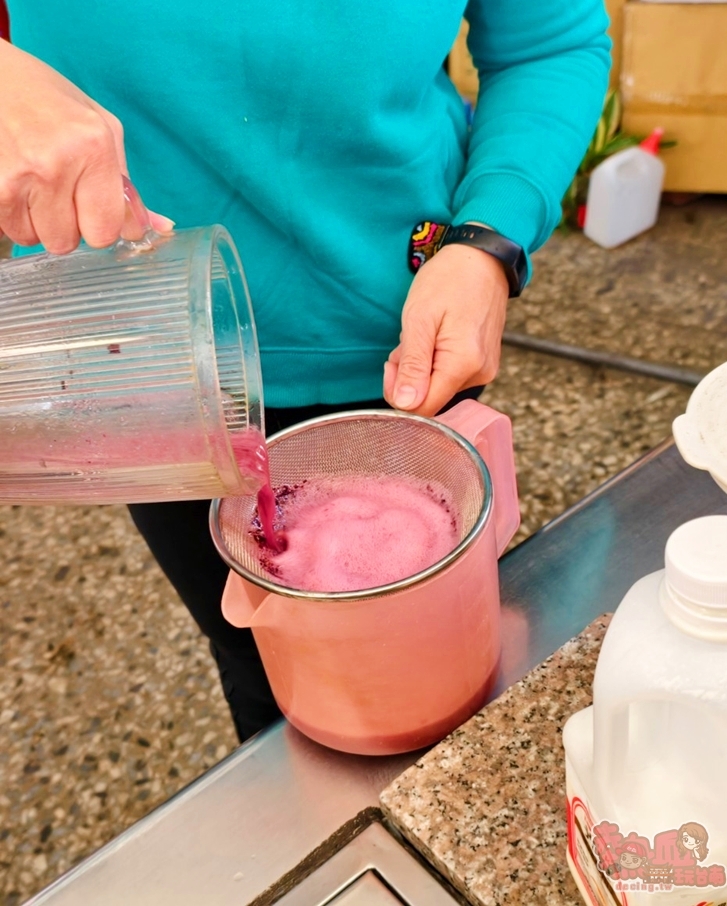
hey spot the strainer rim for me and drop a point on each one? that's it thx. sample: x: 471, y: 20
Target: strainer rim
x: 379, y: 590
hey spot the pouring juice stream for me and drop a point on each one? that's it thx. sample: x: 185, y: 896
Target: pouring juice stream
x: 251, y: 453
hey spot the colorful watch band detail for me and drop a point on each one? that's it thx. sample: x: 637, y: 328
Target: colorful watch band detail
x: 424, y: 242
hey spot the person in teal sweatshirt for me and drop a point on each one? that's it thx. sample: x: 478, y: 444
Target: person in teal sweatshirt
x: 330, y: 141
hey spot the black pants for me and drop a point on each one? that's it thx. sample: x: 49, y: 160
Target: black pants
x: 179, y: 538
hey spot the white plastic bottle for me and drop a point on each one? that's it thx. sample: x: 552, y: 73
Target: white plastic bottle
x: 646, y: 765
x: 624, y: 192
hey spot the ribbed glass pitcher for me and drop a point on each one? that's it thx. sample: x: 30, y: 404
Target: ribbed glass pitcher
x: 126, y: 373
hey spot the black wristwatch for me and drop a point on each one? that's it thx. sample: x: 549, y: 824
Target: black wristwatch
x: 428, y: 238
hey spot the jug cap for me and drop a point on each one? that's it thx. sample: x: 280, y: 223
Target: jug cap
x: 695, y: 582
x: 652, y: 142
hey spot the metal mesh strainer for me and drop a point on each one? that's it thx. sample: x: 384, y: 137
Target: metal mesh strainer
x: 365, y: 442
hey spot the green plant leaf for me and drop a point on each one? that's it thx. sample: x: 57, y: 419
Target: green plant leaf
x: 612, y: 113
x: 618, y: 143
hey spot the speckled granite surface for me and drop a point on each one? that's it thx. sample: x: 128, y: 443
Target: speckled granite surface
x: 487, y: 805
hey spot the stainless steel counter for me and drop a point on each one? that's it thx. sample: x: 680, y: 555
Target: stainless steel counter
x: 234, y: 833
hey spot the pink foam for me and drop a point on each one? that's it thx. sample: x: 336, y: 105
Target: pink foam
x: 358, y: 532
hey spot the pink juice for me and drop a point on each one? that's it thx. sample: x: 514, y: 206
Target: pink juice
x: 357, y: 532
x: 251, y: 455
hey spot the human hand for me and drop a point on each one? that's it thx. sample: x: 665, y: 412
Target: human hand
x: 61, y: 162
x: 452, y: 325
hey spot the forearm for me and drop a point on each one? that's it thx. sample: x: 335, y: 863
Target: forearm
x: 543, y: 70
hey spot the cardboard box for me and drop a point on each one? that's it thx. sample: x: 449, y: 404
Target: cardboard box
x: 615, y: 8
x: 674, y: 75
x: 461, y: 68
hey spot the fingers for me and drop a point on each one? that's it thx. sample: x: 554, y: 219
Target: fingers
x: 57, y: 192
x: 442, y: 388
x: 160, y: 223
x: 465, y: 357
x: 450, y: 374
x: 451, y: 377
x: 61, y: 159
x: 15, y: 218
x: 412, y: 364
x: 54, y: 220
x: 452, y: 326
x: 390, y: 369
x: 99, y: 194
x: 446, y: 379
x: 117, y: 134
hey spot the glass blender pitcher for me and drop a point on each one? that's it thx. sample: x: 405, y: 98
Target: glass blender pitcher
x: 127, y: 373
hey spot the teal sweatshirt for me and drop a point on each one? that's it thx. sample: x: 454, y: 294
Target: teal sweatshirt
x: 319, y: 133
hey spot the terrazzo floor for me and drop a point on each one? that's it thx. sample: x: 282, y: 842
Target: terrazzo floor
x: 109, y: 701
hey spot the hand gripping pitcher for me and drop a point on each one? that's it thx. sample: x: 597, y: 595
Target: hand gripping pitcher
x: 646, y: 765
x: 396, y: 667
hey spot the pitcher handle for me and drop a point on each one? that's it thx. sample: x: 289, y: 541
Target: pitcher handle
x: 141, y: 216
x: 690, y: 442
x: 490, y: 432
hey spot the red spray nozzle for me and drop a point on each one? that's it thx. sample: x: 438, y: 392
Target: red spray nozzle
x: 651, y: 144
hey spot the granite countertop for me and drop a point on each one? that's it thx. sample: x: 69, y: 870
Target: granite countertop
x: 486, y: 806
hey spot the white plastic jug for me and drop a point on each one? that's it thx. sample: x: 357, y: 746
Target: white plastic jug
x: 624, y: 194
x: 646, y: 765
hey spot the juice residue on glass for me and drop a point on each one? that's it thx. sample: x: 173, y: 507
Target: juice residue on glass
x: 356, y: 531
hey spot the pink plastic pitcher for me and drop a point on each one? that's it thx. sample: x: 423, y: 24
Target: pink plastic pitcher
x: 394, y: 669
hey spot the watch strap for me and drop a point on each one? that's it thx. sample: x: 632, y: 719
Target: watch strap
x: 428, y: 237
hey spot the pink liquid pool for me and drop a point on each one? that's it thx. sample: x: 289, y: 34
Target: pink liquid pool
x: 357, y: 532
